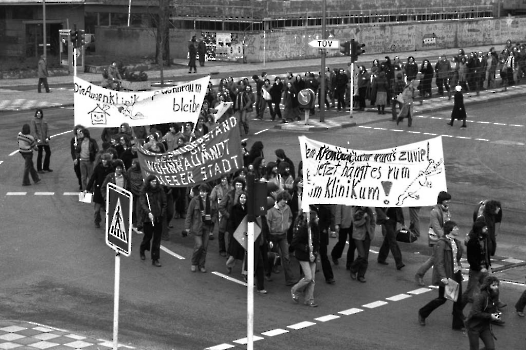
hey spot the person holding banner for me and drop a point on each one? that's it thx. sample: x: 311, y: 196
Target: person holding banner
x: 389, y: 218
x: 199, y: 222
x: 153, y: 204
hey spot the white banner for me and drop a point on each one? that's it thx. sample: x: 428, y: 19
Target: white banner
x: 99, y: 107
x: 405, y: 176
x: 221, y: 109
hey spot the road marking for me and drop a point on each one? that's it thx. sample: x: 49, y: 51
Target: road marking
x: 516, y: 125
x: 261, y: 131
x: 327, y: 318
x: 229, y: 278
x: 1, y: 161
x: 221, y: 347
x: 301, y: 325
x: 398, y: 130
x: 482, y: 139
x: 244, y: 341
x: 365, y: 127
x: 483, y: 122
x: 70, y: 193
x: 429, y: 133
x: 44, y: 193
x: 16, y: 193
x: 163, y: 248
x: 375, y: 304
x: 62, y: 133
x: 274, y: 332
x: 463, y: 137
x: 379, y: 128
x: 419, y: 291
x: 447, y: 135
x: 350, y: 311
x: 398, y: 297
x: 414, y: 132
x: 499, y: 124
x: 513, y: 261
x: 13, y: 153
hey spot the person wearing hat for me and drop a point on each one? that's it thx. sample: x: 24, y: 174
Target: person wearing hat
x: 199, y: 222
x: 438, y: 216
x: 459, y: 111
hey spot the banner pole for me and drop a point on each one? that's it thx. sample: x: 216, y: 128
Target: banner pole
x: 250, y: 260
x: 116, y: 301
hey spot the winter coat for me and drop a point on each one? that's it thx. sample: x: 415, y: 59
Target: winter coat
x: 411, y: 71
x: 300, y: 241
x: 39, y: 130
x: 93, y: 149
x: 459, y: 111
x: 442, y: 69
x: 443, y: 259
x: 26, y: 143
x: 479, y: 317
x: 111, y: 178
x: 194, y: 219
x: 97, y: 179
x: 275, y: 92
x: 363, y: 225
x: 42, y: 68
x: 279, y: 219
x: 157, y: 203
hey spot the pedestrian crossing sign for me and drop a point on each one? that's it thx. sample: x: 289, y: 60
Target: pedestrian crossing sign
x: 118, y: 219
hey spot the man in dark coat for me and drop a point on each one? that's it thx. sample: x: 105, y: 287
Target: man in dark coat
x: 192, y: 52
x: 95, y: 185
x: 459, y: 111
x: 201, y: 51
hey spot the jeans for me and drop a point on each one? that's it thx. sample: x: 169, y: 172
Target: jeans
x: 359, y: 265
x: 414, y: 219
x: 47, y: 157
x: 344, y: 235
x: 441, y: 83
x: 152, y: 233
x: 97, y: 218
x: 76, y: 168
x: 485, y: 335
x: 43, y: 81
x: 86, y: 169
x: 521, y: 303
x: 281, y: 241
x: 458, y: 316
x: 306, y: 284
x: 200, y: 246
x: 29, y: 168
x: 390, y: 243
x: 475, y: 280
x: 243, y: 122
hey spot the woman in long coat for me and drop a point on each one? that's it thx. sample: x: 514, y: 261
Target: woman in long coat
x: 459, y: 111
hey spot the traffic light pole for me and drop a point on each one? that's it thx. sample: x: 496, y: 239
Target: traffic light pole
x: 351, y: 88
x: 250, y: 259
x: 322, y: 70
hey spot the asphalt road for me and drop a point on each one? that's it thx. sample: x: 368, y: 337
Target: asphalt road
x: 57, y: 269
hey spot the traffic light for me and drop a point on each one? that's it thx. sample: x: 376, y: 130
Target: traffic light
x: 345, y: 48
x: 81, y: 38
x: 73, y: 35
x: 356, y: 50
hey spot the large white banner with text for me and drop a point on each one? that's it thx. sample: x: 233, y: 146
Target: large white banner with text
x: 404, y: 176
x: 99, y: 107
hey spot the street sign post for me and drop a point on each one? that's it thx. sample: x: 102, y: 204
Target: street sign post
x: 118, y: 237
x: 327, y: 44
x: 118, y: 219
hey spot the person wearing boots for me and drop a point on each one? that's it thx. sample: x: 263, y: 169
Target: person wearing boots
x: 459, y: 111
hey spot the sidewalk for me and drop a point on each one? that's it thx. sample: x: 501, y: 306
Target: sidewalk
x: 29, y: 335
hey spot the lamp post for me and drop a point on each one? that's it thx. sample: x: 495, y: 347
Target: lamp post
x: 44, y: 47
x: 322, y: 70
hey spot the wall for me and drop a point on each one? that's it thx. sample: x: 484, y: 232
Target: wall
x: 293, y: 43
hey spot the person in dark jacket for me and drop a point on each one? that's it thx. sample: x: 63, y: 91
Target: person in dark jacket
x: 483, y: 312
x: 427, y: 76
x: 411, y: 69
x: 95, y: 185
x: 341, y: 85
x: 364, y: 223
x: 459, y: 111
x: 153, y: 204
x: 388, y: 218
x: 324, y: 223
x: 447, y: 254
x: 201, y: 51
x: 135, y: 184
x: 85, y: 152
x: 39, y: 130
x: 282, y: 157
x: 74, y: 156
x: 199, y: 220
x: 491, y: 213
x: 275, y: 93
x: 306, y: 253
x: 192, y: 54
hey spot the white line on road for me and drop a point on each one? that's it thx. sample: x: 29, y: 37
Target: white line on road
x: 419, y: 291
x: 244, y: 341
x: 365, y: 127
x: 397, y: 130
x: 62, y: 133
x: 414, y: 132
x: 13, y: 153
x: 463, y: 137
x: 71, y: 193
x: 44, y: 193
x: 375, y: 304
x: 350, y: 311
x: 483, y: 122
x: 447, y: 135
x: 429, y: 133
x: 221, y: 347
x: 499, y: 124
x: 398, y: 297
x: 301, y: 325
x: 163, y: 248
x: 274, y: 332
x: 327, y: 318
x: 379, y: 128
x: 516, y: 125
x: 482, y: 139
x: 229, y: 278
x: 16, y: 193
x: 259, y: 132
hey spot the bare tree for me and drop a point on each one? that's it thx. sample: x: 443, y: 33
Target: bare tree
x: 159, y: 11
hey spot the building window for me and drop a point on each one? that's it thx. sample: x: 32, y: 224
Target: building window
x: 104, y: 19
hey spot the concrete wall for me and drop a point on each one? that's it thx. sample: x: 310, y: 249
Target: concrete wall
x: 293, y: 43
